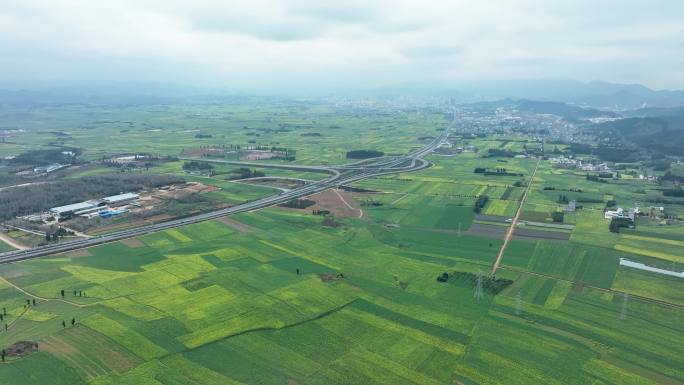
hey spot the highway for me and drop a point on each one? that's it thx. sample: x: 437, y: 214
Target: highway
x: 340, y: 176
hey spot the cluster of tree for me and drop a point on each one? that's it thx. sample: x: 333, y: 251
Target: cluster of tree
x: 298, y: 203
x: 502, y: 172
x: 203, y: 136
x: 610, y: 153
x: 499, y: 171
x: 287, y: 153
x: 371, y: 203
x: 617, y: 223
x: 73, y: 323
x: 194, y: 165
x: 580, y: 148
x: 489, y: 284
x: 244, y: 173
x: 79, y: 293
x: 504, y: 153
x: 357, y: 189
x: 9, y: 179
x: 481, y: 203
x: 320, y: 212
x: 311, y: 134
x: 658, y: 162
x: 558, y: 216
x: 60, y: 232
x: 616, y: 154
x: 563, y: 199
x: 364, y: 154
x: 31, y: 199
x: 128, y: 166
x: 677, y: 192
x: 553, y: 188
x: 672, y: 177
x: 595, y: 178
x: 218, y: 146
x: 42, y: 157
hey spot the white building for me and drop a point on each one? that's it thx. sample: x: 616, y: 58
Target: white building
x: 49, y: 168
x: 92, y: 206
x: 621, y: 213
x: 72, y: 208
x: 120, y: 198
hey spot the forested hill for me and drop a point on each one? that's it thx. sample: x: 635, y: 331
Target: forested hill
x: 662, y: 133
x: 566, y: 111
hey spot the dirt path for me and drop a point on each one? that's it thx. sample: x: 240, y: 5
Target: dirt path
x: 347, y: 204
x: 514, y: 222
x: 400, y: 198
x: 12, y: 242
x: 43, y: 298
x: 77, y: 233
x: 27, y: 309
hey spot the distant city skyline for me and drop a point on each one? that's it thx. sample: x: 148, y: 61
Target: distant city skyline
x: 268, y: 45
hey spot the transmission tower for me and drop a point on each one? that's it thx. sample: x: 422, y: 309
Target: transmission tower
x: 623, y: 312
x: 479, y: 293
x: 518, y: 304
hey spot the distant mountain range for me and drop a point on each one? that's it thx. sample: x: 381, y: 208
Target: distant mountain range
x: 600, y: 94
x: 133, y: 94
x: 596, y: 94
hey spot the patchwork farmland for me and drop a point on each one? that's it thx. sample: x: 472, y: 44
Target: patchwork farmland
x: 373, y: 283
x: 293, y: 300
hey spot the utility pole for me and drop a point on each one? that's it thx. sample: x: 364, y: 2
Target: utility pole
x: 623, y: 312
x: 478, y: 288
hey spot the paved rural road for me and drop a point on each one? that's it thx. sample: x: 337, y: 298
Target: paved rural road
x: 514, y: 222
x: 410, y: 162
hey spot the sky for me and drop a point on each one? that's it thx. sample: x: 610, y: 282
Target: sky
x: 339, y: 44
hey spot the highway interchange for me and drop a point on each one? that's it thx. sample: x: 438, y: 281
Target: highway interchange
x: 341, y: 175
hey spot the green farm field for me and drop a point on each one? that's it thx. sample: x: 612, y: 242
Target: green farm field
x: 217, y: 304
x: 285, y: 296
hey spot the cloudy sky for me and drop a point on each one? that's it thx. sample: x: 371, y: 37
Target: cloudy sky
x: 264, y: 44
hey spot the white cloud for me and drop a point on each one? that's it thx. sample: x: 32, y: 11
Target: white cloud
x: 307, y: 43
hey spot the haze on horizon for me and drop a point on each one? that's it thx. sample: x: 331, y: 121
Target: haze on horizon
x: 271, y: 45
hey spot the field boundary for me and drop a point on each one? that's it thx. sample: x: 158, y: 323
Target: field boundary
x: 514, y: 222
x: 603, y: 289
x: 268, y: 328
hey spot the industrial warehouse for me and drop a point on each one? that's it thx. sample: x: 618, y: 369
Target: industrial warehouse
x: 95, y: 207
